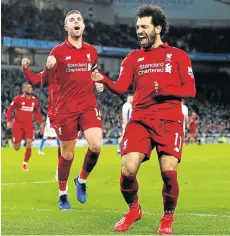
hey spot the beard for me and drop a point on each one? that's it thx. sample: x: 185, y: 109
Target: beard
x: 151, y: 41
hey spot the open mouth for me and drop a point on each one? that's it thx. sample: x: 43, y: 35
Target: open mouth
x: 143, y: 39
x: 76, y: 28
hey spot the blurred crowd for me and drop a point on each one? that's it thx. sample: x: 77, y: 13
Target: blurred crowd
x: 26, y: 21
x: 211, y: 103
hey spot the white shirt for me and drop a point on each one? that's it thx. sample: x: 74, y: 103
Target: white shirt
x: 126, y: 112
x: 185, y: 113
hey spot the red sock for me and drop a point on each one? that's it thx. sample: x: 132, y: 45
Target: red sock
x: 90, y: 161
x: 63, y: 172
x: 170, y: 190
x: 27, y: 154
x: 59, y: 151
x: 129, y: 188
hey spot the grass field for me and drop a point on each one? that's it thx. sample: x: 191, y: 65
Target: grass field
x: 29, y: 200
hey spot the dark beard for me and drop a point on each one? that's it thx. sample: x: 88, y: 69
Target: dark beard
x: 152, y: 39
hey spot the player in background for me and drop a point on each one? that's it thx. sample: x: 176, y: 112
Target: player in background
x: 161, y: 75
x: 24, y: 107
x: 52, y: 94
x: 186, y: 119
x: 126, y: 115
x: 193, y: 129
x: 75, y: 107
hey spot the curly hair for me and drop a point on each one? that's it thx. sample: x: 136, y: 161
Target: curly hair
x: 157, y: 14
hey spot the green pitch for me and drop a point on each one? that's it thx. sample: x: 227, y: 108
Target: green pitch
x: 29, y: 200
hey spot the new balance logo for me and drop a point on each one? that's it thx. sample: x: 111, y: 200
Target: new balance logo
x: 125, y: 144
x: 59, y: 131
x: 68, y: 58
x: 140, y: 59
x: 190, y: 72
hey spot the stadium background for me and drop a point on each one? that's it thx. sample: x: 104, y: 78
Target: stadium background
x: 29, y: 200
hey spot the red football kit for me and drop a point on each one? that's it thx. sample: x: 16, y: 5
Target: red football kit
x: 193, y: 125
x: 75, y: 106
x: 52, y: 89
x: 157, y: 119
x: 24, y: 109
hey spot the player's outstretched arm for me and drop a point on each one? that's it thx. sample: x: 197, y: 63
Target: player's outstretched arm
x: 51, y: 66
x: 10, y: 113
x: 124, y: 80
x: 187, y: 88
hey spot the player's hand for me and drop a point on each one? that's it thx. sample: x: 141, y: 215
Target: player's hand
x: 51, y: 61
x: 156, y: 86
x: 96, y: 76
x: 9, y: 125
x: 25, y: 62
x: 99, y: 87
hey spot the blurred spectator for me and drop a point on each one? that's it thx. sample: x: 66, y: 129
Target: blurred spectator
x: 211, y: 103
x: 47, y: 24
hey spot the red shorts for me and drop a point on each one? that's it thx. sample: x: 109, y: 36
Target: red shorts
x: 21, y: 131
x: 142, y: 136
x: 88, y: 119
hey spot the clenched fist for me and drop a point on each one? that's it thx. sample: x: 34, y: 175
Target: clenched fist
x: 51, y: 61
x: 95, y: 76
x: 99, y: 87
x: 25, y: 62
x: 9, y: 125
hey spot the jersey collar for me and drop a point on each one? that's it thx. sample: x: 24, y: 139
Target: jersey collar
x: 69, y: 45
x: 164, y: 45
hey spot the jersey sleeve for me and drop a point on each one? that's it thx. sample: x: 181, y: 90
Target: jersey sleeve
x: 37, y: 112
x: 48, y: 74
x: 11, y: 108
x: 32, y: 77
x: 187, y: 88
x: 125, y: 78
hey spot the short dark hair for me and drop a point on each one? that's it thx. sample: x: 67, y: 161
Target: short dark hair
x: 157, y: 14
x: 26, y: 83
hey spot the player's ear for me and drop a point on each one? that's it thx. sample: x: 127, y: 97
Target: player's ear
x: 66, y: 27
x: 158, y: 29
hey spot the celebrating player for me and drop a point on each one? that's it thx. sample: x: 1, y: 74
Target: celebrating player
x: 75, y: 108
x: 161, y: 75
x: 24, y: 106
x: 193, y: 123
x: 126, y: 115
x: 52, y: 94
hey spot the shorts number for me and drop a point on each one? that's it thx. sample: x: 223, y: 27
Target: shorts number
x: 98, y: 113
x: 178, y: 142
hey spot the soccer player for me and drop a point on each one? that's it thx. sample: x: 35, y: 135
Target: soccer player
x: 52, y: 94
x: 126, y: 114
x: 24, y: 106
x: 193, y: 123
x: 75, y: 108
x: 162, y: 75
x: 186, y: 119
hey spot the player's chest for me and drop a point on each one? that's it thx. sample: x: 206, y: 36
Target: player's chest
x: 75, y: 61
x: 150, y: 66
x: 27, y: 106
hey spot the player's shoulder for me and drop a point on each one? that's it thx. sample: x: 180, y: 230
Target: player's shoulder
x: 179, y: 52
x: 90, y: 47
x: 18, y: 97
x: 131, y: 56
x: 58, y: 48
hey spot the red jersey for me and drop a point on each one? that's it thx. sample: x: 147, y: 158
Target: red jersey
x: 52, y: 89
x: 170, y: 67
x: 193, y: 121
x: 25, y: 109
x: 73, y: 70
